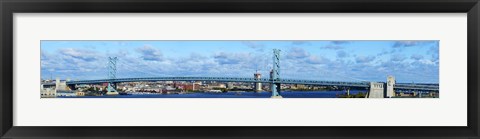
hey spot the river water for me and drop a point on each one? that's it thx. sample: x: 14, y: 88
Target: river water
x: 286, y: 94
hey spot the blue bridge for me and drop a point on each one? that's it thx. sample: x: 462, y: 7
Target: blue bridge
x: 406, y: 86
x: 376, y: 89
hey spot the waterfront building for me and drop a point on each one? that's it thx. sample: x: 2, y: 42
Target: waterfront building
x: 301, y: 86
x: 192, y: 87
x: 217, y: 85
x: 47, y: 92
x: 79, y: 93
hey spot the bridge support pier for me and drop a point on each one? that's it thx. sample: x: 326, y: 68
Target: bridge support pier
x: 382, y: 90
x: 389, y: 92
x: 376, y: 90
x: 258, y: 86
x: 275, y: 90
x: 348, y: 92
x: 111, y: 90
x: 59, y: 85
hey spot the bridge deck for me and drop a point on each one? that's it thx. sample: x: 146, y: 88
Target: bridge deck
x: 254, y: 80
x: 226, y: 79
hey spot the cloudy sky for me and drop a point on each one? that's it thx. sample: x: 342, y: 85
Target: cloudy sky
x: 408, y: 61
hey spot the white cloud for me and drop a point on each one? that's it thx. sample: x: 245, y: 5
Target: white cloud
x: 149, y: 53
x: 297, y: 53
x: 317, y: 60
x: 333, y: 47
x: 416, y: 57
x: 364, y: 59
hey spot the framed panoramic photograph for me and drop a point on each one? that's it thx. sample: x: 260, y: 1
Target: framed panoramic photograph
x: 234, y: 69
x: 230, y: 69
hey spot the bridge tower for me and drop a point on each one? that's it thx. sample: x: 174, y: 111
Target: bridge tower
x: 390, y: 84
x: 112, y: 74
x: 382, y: 89
x: 60, y: 85
x: 275, y: 74
x: 376, y: 90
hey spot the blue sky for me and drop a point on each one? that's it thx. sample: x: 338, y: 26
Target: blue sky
x: 409, y: 61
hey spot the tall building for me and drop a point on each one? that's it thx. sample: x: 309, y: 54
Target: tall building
x: 258, y: 86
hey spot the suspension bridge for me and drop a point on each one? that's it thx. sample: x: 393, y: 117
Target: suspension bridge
x: 375, y: 89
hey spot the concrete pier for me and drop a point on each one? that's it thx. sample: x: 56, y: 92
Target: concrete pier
x: 376, y: 90
x: 389, y: 89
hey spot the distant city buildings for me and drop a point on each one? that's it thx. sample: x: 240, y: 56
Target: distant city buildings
x: 59, y: 88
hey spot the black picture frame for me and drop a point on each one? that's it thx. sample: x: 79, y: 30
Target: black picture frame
x: 9, y: 7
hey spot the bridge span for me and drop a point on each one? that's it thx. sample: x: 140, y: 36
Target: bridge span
x: 223, y: 79
x: 405, y: 86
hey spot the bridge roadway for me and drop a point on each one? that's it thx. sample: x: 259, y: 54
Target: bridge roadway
x: 407, y: 86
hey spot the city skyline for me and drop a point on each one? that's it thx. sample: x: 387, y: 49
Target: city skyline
x: 408, y: 61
